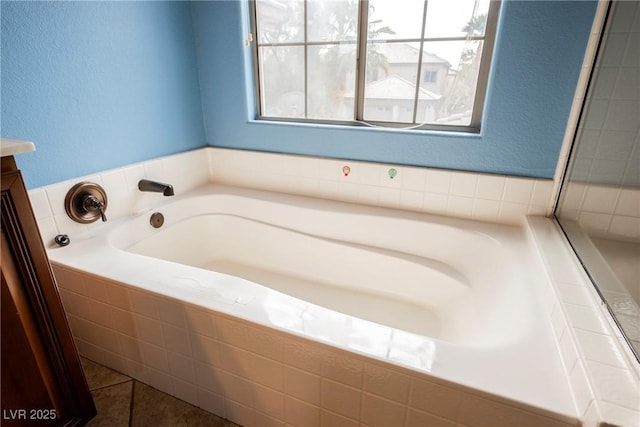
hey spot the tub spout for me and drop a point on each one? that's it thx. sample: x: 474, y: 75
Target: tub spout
x: 156, y: 187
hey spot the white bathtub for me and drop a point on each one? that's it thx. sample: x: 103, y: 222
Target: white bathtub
x: 451, y: 301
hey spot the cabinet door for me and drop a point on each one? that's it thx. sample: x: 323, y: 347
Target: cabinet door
x: 42, y: 379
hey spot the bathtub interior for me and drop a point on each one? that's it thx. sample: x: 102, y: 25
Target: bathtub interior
x: 389, y: 268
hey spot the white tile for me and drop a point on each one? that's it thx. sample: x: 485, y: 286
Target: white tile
x: 235, y: 360
x: 568, y: 350
x: 185, y: 391
x: 558, y: 321
x: 411, y: 199
x: 574, y: 294
x: 266, y: 372
x: 463, y: 184
x: 596, y: 113
x: 542, y: 193
x: 486, y: 210
x: 342, y: 368
x: 122, y: 321
x: 160, y: 380
x: 628, y: 203
x: 623, y: 115
x: 595, y: 221
x: 582, y: 392
x: 435, y: 202
x: 144, y: 304
x: 171, y: 312
x: 303, y: 355
x: 66, y: 225
x: 232, y: 332
x: 600, y: 199
x: 389, y: 196
x: 367, y: 173
x: 236, y: 388
x: 155, y: 357
x: 302, y: 385
x: 518, y: 190
x: 40, y: 203
x: 176, y: 339
x: 512, y: 213
x: 438, y: 182
x: 631, y: 56
x: 149, y: 330
x: 490, y: 187
x: 587, y: 318
x: 414, y: 178
x: 211, y: 402
x: 599, y: 347
x: 387, y: 383
x: 341, y: 399
x: 435, y: 399
x: 200, y: 322
x: 48, y: 231
x: 130, y: 348
x: 625, y: 226
x: 205, y: 349
x: 299, y: 413
x: 615, y: 385
x: 118, y: 296
x: 460, y: 206
x: 268, y: 401
x: 620, y: 415
x: 265, y: 343
x: 133, y: 174
x: 239, y: 414
x: 118, y: 193
x: 380, y: 411
x: 181, y: 367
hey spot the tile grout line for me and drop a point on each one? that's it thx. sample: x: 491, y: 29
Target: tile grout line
x: 131, y: 400
x: 111, y: 385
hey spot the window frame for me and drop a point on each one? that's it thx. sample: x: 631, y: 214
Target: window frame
x: 361, y: 47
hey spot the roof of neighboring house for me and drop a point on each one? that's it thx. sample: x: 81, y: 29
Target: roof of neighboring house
x: 402, y: 53
x: 396, y: 87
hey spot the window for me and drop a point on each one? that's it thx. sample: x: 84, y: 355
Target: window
x: 409, y: 63
x: 430, y: 77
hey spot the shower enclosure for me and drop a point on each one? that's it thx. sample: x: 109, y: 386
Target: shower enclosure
x: 599, y: 204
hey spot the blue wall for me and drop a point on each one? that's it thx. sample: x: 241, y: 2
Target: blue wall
x: 537, y: 60
x: 98, y: 85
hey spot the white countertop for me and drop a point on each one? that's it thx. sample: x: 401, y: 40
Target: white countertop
x: 9, y: 147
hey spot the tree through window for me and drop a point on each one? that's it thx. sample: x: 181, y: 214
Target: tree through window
x: 385, y: 62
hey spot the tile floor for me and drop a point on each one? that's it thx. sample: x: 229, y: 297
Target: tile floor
x: 124, y: 402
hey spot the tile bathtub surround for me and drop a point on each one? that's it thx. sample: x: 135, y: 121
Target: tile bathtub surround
x: 604, y: 374
x: 484, y: 197
x: 184, y: 171
x: 256, y: 376
x: 492, y: 198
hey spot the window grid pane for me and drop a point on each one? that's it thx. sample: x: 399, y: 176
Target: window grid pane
x: 406, y: 79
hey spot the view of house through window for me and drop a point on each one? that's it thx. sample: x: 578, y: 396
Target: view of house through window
x: 387, y: 62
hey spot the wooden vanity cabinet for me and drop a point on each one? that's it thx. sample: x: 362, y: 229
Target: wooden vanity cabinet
x: 42, y: 379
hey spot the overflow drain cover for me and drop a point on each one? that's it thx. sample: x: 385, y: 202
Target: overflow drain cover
x: 157, y: 219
